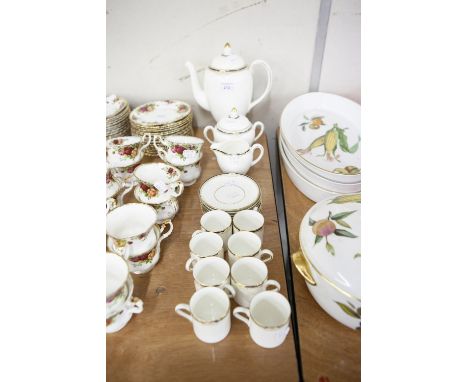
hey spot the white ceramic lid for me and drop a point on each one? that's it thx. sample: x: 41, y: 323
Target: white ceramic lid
x: 323, y: 130
x: 330, y: 237
x: 227, y: 61
x: 114, y: 104
x: 229, y: 192
x: 160, y: 112
x: 234, y: 123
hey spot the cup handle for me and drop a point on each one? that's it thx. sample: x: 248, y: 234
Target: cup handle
x: 205, y: 133
x: 275, y: 284
x: 262, y: 128
x: 169, y: 224
x: 177, y: 188
x: 242, y: 314
x: 230, y: 291
x: 180, y: 308
x: 197, y: 232
x: 144, y: 137
x: 128, y: 188
x: 268, y: 253
x: 135, y: 305
x: 190, y: 263
x: 122, y: 251
x: 257, y: 146
x: 269, y: 81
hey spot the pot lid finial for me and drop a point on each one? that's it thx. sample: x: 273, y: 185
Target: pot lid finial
x: 227, y: 61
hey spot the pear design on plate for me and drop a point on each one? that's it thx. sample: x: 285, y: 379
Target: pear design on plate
x: 326, y: 228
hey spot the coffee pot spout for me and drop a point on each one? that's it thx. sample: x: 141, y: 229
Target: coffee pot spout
x: 198, y: 92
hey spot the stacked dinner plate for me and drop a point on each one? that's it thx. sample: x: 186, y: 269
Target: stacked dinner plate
x: 320, y: 145
x: 230, y: 193
x: 170, y: 117
x: 117, y: 112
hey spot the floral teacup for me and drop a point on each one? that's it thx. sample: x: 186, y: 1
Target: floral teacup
x: 179, y: 150
x: 190, y: 173
x: 157, y: 183
x: 129, y: 225
x: 124, y: 151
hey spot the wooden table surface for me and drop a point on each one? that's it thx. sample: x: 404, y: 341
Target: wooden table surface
x: 328, y: 348
x: 159, y: 345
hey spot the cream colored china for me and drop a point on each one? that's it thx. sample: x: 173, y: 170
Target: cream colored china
x: 234, y: 127
x: 115, y: 191
x: 228, y: 83
x: 246, y: 244
x: 249, y: 220
x: 219, y: 222
x: 160, y: 112
x: 125, y: 174
x: 210, y: 314
x: 180, y: 150
x: 114, y: 105
x: 249, y: 276
x: 267, y: 318
x: 212, y: 272
x: 330, y: 257
x: 322, y: 131
x: 126, y: 151
x: 167, y: 210
x: 236, y: 156
x: 157, y: 183
x: 116, y: 276
x: 230, y: 193
x: 204, y: 244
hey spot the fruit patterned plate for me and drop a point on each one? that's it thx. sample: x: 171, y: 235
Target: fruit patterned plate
x: 330, y: 236
x: 229, y: 192
x: 323, y: 132
x: 160, y: 112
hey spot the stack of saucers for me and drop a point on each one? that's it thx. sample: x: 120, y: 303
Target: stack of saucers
x: 117, y: 112
x: 230, y: 193
x: 161, y: 118
x: 320, y: 145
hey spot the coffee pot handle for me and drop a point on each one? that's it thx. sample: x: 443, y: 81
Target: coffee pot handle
x: 205, y: 133
x: 269, y: 81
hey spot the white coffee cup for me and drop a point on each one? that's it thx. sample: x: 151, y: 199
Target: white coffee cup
x: 211, y: 272
x: 209, y: 312
x: 267, y: 318
x: 205, y: 244
x: 249, y: 220
x: 219, y: 222
x: 249, y: 276
x: 247, y: 244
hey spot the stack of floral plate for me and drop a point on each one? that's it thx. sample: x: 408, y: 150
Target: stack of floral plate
x: 230, y: 193
x: 320, y: 145
x: 117, y: 112
x: 161, y: 118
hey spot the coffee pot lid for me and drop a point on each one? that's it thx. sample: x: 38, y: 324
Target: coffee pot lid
x: 234, y: 123
x: 227, y: 61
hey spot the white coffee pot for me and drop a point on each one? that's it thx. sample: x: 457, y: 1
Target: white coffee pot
x: 228, y: 83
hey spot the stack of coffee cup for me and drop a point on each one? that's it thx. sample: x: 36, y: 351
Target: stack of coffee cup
x: 244, y: 277
x: 120, y: 303
x: 183, y: 152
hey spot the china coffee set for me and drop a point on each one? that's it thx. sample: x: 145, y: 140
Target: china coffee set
x: 232, y: 223
x: 243, y: 277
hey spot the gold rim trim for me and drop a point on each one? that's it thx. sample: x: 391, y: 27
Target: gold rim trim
x: 211, y: 321
x: 233, y: 279
x: 227, y: 70
x: 253, y: 231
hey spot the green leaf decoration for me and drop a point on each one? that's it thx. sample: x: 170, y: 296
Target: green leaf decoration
x: 318, y: 239
x: 342, y: 215
x: 349, y: 311
x: 330, y: 248
x: 356, y: 255
x: 343, y: 232
x: 343, y: 223
x: 343, y: 140
x: 342, y: 199
x: 311, y: 221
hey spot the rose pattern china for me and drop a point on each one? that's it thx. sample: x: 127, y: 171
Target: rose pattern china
x: 160, y: 112
x: 126, y: 151
x: 179, y: 150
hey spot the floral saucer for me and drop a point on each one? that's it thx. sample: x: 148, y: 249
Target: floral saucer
x: 160, y: 112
